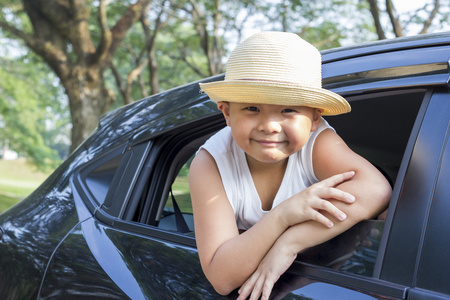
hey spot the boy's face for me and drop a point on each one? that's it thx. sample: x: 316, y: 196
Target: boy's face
x: 270, y: 133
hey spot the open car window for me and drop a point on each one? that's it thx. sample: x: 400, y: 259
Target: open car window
x: 378, y: 129
x: 178, y: 204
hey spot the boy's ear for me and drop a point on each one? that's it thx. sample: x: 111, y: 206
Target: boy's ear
x: 225, y: 108
x: 317, y: 115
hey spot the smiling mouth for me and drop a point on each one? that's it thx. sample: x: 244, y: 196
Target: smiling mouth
x: 268, y: 143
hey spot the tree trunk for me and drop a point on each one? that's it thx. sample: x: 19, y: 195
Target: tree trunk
x: 212, y: 49
x: 396, y: 26
x: 153, y: 70
x: 431, y: 16
x: 61, y: 35
x: 150, y: 38
x: 88, y: 100
x: 375, y: 11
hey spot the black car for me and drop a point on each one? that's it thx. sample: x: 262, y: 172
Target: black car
x: 115, y: 222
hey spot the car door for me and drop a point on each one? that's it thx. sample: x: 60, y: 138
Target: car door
x: 115, y: 254
x: 412, y: 260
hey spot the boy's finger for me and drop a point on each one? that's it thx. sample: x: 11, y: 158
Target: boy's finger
x: 337, y: 194
x: 318, y: 217
x: 333, y: 210
x: 259, y: 287
x: 247, y: 287
x: 268, y: 286
x: 337, y: 179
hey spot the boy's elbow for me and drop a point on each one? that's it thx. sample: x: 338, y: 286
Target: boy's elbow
x: 223, y: 288
x: 224, y: 292
x: 223, y: 284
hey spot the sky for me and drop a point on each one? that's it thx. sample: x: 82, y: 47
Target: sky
x: 401, y: 7
x: 405, y: 5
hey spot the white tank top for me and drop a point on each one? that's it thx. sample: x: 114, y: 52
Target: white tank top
x: 238, y: 182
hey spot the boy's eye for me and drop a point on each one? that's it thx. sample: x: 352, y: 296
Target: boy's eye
x: 252, y: 108
x: 289, y: 110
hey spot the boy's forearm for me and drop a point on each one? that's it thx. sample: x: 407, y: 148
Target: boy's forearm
x: 367, y: 205
x: 308, y: 234
x: 239, y: 257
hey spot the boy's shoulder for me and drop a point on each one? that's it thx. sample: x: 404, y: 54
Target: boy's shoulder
x: 219, y: 142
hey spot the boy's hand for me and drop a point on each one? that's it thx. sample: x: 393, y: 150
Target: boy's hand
x: 310, y: 203
x: 261, y: 282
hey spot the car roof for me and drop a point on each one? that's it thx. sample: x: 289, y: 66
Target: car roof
x: 387, y: 45
x: 418, y: 61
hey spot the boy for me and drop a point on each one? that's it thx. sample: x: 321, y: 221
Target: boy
x: 278, y: 171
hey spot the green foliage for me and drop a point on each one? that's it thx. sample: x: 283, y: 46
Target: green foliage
x: 179, y: 58
x: 172, y: 46
x: 326, y: 24
x: 33, y: 115
x: 180, y: 189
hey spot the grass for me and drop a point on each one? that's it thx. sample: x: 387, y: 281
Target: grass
x: 17, y: 180
x: 181, y: 193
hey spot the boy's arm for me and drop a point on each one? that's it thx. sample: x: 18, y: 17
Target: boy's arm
x: 372, y: 191
x: 331, y: 155
x: 228, y: 258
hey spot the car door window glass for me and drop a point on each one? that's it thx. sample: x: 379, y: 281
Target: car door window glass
x: 98, y: 179
x: 354, y: 251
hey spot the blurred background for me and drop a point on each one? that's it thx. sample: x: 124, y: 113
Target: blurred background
x: 64, y: 63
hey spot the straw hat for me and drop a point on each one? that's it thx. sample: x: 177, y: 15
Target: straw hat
x: 276, y: 68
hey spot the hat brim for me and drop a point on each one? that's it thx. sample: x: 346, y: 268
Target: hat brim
x: 280, y: 93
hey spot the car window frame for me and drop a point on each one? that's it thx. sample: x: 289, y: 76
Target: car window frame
x: 152, y: 173
x: 79, y: 177
x: 171, y: 157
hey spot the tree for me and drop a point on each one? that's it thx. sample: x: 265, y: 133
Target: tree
x: 177, y: 42
x: 32, y: 111
x: 210, y: 43
x: 78, y: 41
x: 213, y: 23
x: 141, y: 45
x: 428, y: 18
x: 326, y: 24
x: 148, y: 60
x: 134, y: 48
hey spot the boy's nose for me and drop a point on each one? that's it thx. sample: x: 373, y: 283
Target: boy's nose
x: 269, y: 126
